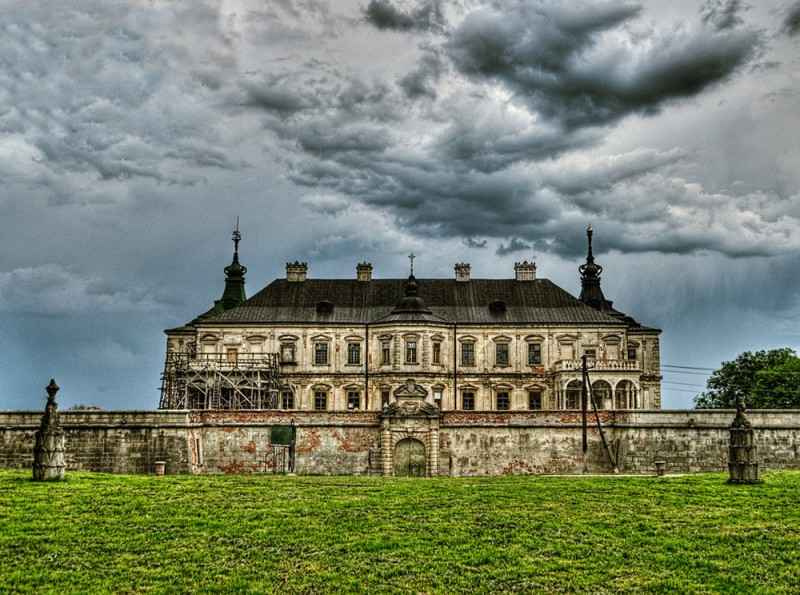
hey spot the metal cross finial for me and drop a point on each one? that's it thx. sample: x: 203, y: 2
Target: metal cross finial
x: 412, y: 257
x: 236, y: 237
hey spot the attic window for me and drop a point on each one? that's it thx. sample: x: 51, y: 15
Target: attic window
x: 497, y: 306
x: 324, y: 306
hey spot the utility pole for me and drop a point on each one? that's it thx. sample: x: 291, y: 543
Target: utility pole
x: 587, y: 388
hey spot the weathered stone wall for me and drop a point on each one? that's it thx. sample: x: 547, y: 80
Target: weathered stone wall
x: 107, y: 441
x: 470, y: 443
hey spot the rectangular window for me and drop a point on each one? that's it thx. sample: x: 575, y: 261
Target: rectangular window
x: 287, y: 400
x: 437, y: 353
x: 320, y: 400
x: 411, y: 352
x: 468, y: 354
x: 468, y: 401
x: 384, y: 398
x: 321, y: 353
x: 437, y: 398
x: 501, y: 354
x: 590, y: 353
x: 353, y: 400
x: 534, y: 399
x: 232, y: 353
x: 353, y: 353
x: 502, y: 401
x: 631, y: 353
x: 385, y: 353
x: 534, y: 354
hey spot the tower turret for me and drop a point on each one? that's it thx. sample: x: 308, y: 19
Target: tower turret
x: 234, y: 294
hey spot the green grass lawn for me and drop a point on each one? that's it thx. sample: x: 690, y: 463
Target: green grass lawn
x: 276, y: 534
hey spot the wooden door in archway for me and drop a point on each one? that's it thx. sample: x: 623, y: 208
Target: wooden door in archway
x: 409, y: 458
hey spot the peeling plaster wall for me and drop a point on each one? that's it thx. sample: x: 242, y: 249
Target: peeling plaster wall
x: 470, y: 443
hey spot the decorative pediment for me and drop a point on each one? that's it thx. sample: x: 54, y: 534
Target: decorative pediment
x: 410, y: 390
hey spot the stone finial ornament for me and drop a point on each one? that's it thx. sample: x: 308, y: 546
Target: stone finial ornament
x: 48, y: 454
x: 742, y: 455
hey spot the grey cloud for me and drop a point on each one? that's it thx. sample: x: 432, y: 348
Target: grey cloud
x: 475, y: 243
x: 791, y: 23
x: 514, y: 245
x: 422, y: 81
x: 723, y: 15
x: 52, y: 290
x: 99, y: 95
x: 428, y: 16
x: 552, y: 57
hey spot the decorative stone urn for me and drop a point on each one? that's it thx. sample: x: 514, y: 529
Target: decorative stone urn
x: 48, y: 454
x: 742, y: 459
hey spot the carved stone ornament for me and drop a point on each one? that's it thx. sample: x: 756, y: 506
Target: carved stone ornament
x: 48, y: 454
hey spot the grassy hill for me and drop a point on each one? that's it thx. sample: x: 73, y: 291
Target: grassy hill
x: 270, y: 534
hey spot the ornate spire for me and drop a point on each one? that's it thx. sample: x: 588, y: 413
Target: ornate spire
x: 591, y: 293
x: 234, y: 294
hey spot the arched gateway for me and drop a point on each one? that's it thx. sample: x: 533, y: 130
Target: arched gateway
x: 410, y: 434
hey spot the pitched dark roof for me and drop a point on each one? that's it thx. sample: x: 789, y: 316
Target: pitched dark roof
x: 464, y: 302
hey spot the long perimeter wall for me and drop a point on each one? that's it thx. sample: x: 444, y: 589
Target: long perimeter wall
x: 470, y: 443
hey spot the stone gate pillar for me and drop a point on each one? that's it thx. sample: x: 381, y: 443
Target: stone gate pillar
x: 742, y: 459
x: 48, y: 454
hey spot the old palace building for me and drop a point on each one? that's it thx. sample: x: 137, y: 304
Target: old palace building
x: 459, y: 344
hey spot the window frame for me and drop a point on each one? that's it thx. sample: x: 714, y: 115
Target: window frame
x: 505, y: 403
x: 320, y: 396
x: 287, y: 396
x: 412, y: 349
x: 353, y: 353
x: 353, y: 396
x: 321, y: 348
x: 534, y: 354
x: 436, y: 352
x: 535, y: 394
x: 386, y: 353
x: 504, y: 348
x: 468, y: 353
x: 468, y: 400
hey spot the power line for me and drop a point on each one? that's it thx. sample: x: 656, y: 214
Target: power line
x: 683, y: 384
x: 687, y: 367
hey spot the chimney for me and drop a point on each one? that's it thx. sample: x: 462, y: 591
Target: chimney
x: 296, y: 272
x: 462, y: 271
x: 364, y: 271
x: 526, y: 271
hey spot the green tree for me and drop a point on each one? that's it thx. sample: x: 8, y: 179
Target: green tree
x: 767, y: 379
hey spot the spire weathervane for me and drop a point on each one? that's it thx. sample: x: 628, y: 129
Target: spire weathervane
x: 236, y: 237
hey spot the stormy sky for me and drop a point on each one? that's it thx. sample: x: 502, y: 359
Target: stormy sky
x: 133, y: 134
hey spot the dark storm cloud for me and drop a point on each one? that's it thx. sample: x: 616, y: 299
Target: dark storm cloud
x: 561, y: 62
x: 95, y: 96
x: 422, y: 81
x: 723, y: 15
x: 792, y: 22
x: 428, y: 16
x: 514, y: 245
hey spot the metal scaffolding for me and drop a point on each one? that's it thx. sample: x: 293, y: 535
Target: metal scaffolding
x: 220, y: 381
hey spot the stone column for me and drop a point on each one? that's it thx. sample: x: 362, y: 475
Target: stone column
x: 742, y: 459
x: 48, y: 454
x: 433, y: 446
x: 387, y: 452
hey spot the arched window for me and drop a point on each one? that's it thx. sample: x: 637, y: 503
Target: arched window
x: 573, y: 394
x: 625, y: 395
x: 601, y: 391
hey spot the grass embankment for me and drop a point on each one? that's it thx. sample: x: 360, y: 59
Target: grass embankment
x: 102, y: 533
